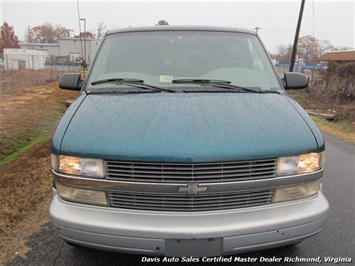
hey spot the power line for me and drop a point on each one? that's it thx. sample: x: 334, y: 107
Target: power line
x: 261, y: 12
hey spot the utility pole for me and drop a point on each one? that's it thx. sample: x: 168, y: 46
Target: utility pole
x: 29, y: 35
x: 84, y: 54
x: 294, y: 49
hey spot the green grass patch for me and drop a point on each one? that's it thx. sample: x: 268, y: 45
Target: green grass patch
x: 29, y: 140
x: 299, y: 96
x: 342, y: 130
x: 33, y: 137
x: 12, y: 157
x: 339, y: 125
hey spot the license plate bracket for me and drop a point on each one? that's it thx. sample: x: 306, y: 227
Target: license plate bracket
x: 194, y: 247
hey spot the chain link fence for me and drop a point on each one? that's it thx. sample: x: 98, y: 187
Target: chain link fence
x: 15, y: 79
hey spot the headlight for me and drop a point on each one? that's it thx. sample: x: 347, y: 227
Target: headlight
x: 300, y: 164
x: 296, y: 192
x: 78, y: 166
x: 80, y: 195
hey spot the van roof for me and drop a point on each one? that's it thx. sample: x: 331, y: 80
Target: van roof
x: 180, y: 28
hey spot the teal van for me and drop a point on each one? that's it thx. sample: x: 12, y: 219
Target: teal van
x: 183, y: 142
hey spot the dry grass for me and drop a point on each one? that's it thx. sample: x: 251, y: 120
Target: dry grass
x: 27, y: 114
x: 28, y: 118
x: 341, y: 130
x: 25, y: 78
x: 25, y: 188
x: 343, y: 125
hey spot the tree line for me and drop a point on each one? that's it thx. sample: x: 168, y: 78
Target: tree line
x: 46, y: 33
x: 309, y: 47
x: 8, y: 39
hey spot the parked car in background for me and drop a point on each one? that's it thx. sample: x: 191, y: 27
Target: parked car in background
x: 183, y: 142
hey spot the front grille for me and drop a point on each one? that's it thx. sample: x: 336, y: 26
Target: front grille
x: 185, y: 173
x: 182, y: 203
x: 190, y: 172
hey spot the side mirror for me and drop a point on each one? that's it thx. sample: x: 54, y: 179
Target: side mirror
x: 295, y: 81
x: 70, y: 81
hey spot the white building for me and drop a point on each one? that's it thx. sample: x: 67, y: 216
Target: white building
x: 72, y: 48
x: 24, y: 58
x: 78, y: 48
x: 51, y: 48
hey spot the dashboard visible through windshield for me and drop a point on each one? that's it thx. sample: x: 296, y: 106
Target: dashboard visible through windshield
x: 160, y: 57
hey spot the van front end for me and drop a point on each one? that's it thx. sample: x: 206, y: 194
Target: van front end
x: 188, y: 209
x: 183, y: 142
x: 190, y: 223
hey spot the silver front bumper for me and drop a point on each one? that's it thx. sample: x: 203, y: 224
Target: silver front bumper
x: 189, y: 234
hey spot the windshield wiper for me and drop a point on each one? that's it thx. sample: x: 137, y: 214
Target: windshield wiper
x: 113, y: 80
x: 200, y: 81
x: 138, y: 83
x: 225, y: 84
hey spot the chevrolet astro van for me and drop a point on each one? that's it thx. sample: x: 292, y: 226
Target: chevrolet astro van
x: 183, y: 142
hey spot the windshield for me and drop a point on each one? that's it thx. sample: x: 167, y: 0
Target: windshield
x: 158, y: 58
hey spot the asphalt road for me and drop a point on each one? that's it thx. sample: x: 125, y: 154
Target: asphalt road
x: 336, y: 241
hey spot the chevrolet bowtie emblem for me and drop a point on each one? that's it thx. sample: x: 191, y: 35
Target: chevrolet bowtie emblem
x: 192, y: 189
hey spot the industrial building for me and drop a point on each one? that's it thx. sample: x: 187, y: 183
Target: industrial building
x: 67, y: 50
x: 24, y: 58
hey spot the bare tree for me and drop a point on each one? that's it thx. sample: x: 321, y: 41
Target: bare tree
x: 284, y: 52
x: 87, y: 34
x: 28, y: 36
x: 101, y: 29
x: 47, y: 33
x: 342, y: 48
x: 323, y: 46
x: 307, y: 47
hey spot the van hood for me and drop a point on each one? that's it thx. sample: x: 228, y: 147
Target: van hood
x: 185, y: 127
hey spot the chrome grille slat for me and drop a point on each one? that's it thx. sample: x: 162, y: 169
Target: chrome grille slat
x: 128, y: 165
x: 209, y: 172
x: 197, y: 173
x: 178, y: 202
x: 194, y: 178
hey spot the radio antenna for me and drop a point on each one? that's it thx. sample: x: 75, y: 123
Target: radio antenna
x: 81, y: 40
